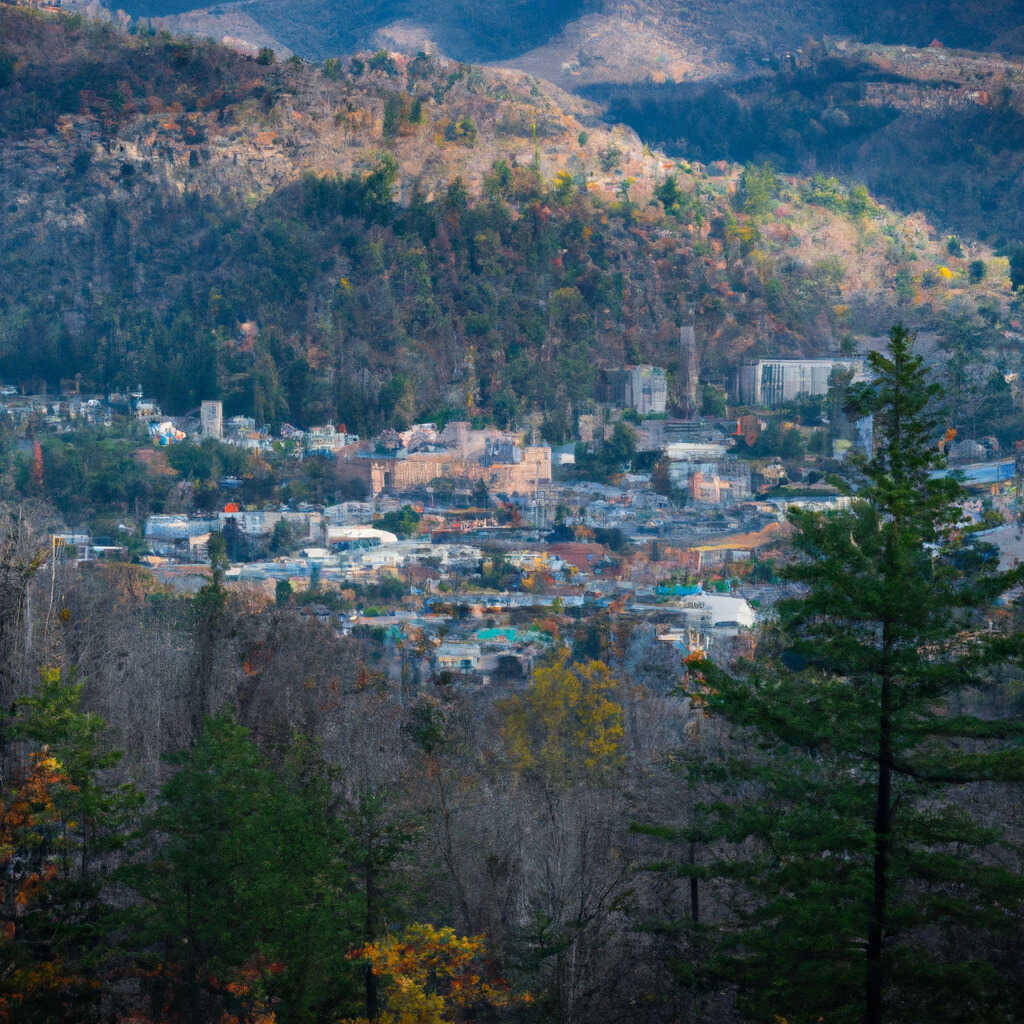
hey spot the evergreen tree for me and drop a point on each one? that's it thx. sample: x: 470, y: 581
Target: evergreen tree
x: 669, y: 194
x: 246, y: 895
x: 864, y: 883
x: 377, y: 841
x: 61, y: 819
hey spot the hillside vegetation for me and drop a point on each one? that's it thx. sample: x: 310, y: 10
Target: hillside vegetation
x: 385, y: 237
x: 931, y: 129
x: 580, y: 41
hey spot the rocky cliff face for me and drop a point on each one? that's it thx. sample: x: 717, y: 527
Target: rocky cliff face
x: 882, y: 124
x: 218, y: 122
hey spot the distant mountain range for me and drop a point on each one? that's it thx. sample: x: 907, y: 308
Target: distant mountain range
x: 592, y: 37
x: 922, y: 101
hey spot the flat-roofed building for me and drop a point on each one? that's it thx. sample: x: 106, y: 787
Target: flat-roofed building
x: 774, y: 382
x: 644, y: 388
x: 211, y: 419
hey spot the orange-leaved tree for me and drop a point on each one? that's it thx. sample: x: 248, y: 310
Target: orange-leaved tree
x: 60, y: 821
x: 436, y: 977
x: 34, y: 983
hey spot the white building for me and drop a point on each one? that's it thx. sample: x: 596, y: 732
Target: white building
x: 356, y: 536
x: 694, y: 451
x: 458, y: 656
x: 706, y: 611
x: 774, y: 382
x: 211, y: 418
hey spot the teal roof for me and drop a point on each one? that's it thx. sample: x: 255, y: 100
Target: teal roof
x: 512, y: 635
x: 498, y: 633
x: 679, y: 589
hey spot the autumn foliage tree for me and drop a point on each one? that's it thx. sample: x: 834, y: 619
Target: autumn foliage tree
x: 564, y: 746
x: 34, y: 983
x: 59, y: 824
x: 434, y: 977
x: 567, y: 726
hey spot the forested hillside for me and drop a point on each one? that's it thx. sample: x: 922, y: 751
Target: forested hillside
x: 384, y: 237
x: 930, y: 129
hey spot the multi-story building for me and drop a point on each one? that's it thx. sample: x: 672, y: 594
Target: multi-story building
x: 644, y: 388
x: 774, y: 382
x: 528, y: 470
x: 526, y: 476
x: 240, y: 424
x: 211, y: 419
x: 718, y: 481
x: 726, y: 485
x: 326, y: 440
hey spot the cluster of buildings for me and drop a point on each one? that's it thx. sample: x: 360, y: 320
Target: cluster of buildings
x: 461, y: 576
x: 243, y: 431
x: 53, y: 413
x: 501, y: 543
x: 421, y: 455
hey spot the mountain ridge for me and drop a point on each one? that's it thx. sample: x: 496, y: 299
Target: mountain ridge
x: 710, y: 36
x: 392, y: 228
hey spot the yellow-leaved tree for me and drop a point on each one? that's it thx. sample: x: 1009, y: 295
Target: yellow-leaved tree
x: 435, y: 977
x: 567, y: 726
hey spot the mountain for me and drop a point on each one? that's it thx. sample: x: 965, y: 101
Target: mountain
x: 387, y: 237
x: 920, y: 101
x: 929, y: 129
x: 584, y: 41
x: 467, y: 29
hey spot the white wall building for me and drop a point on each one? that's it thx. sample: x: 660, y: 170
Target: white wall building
x: 774, y: 382
x: 705, y: 611
x: 211, y: 419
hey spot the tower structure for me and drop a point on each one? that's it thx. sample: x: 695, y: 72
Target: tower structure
x: 211, y: 418
x: 689, y: 367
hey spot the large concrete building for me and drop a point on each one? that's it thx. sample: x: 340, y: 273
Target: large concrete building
x: 773, y: 382
x: 644, y: 388
x: 524, y: 476
x: 211, y: 418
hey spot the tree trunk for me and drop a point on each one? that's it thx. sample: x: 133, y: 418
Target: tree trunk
x: 883, y: 827
x: 694, y: 890
x: 370, y: 935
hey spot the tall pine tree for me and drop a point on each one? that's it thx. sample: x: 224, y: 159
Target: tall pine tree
x: 62, y: 820
x: 862, y: 876
x: 246, y: 899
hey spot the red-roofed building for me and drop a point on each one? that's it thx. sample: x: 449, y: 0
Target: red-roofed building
x: 584, y: 557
